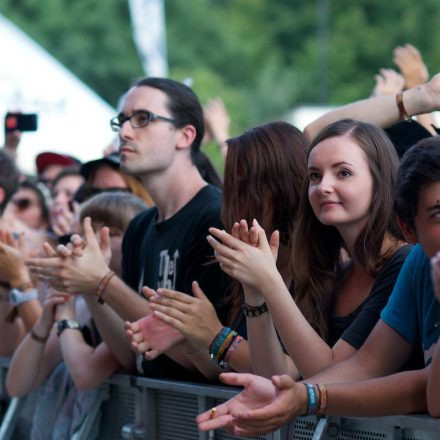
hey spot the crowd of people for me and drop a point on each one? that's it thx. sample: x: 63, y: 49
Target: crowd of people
x: 310, y: 272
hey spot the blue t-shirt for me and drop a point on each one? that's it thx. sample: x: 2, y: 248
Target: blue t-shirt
x: 412, y: 310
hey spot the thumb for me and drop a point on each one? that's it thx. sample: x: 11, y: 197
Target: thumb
x: 262, y: 239
x: 104, y: 239
x: 89, y: 234
x: 274, y: 243
x: 198, y: 292
x: 282, y: 382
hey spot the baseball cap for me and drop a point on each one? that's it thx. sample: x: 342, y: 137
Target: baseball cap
x: 88, y: 167
x: 47, y: 158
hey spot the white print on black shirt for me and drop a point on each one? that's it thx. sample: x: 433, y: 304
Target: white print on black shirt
x: 167, y: 270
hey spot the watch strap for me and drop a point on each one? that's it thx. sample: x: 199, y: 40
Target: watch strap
x: 64, y: 324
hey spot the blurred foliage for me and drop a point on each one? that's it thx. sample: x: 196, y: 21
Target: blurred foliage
x: 262, y: 57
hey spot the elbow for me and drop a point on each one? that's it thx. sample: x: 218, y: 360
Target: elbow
x: 85, y: 381
x: 433, y: 404
x: 14, y: 390
x: 309, y: 132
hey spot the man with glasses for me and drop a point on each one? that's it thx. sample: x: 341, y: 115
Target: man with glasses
x: 160, y: 130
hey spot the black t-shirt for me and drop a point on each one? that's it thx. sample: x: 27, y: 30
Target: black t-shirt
x: 172, y: 254
x: 355, y: 327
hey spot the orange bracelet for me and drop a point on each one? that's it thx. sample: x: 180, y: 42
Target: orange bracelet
x: 322, y: 399
x: 403, y: 114
x: 103, y: 284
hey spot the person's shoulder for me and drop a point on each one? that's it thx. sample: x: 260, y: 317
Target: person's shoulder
x: 417, y: 257
x: 140, y: 221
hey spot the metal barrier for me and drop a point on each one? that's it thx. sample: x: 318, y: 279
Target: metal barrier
x: 142, y: 408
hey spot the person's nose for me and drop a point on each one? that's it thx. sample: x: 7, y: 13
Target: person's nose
x: 326, y: 185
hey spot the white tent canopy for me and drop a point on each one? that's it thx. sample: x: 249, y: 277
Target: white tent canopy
x: 72, y: 118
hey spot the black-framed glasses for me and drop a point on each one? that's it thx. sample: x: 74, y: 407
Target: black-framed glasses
x: 138, y: 119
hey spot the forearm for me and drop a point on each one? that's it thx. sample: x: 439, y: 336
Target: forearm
x: 308, y: 351
x: 400, y: 393
x: 381, y: 111
x: 11, y: 332
x: 85, y: 362
x: 265, y: 349
x: 433, y: 395
x: 111, y: 329
x: 30, y: 363
x: 29, y: 312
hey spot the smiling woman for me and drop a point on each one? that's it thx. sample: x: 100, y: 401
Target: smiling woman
x: 347, y: 253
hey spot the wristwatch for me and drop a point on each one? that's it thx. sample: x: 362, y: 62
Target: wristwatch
x: 67, y: 323
x: 17, y: 297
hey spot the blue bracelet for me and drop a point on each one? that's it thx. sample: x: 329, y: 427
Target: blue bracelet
x: 218, y: 341
x: 312, y: 399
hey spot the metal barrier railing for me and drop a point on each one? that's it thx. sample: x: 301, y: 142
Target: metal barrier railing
x: 142, y: 408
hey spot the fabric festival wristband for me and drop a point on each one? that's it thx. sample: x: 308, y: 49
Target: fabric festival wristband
x: 312, y: 399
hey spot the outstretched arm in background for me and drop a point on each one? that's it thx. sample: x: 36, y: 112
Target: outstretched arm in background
x: 382, y: 110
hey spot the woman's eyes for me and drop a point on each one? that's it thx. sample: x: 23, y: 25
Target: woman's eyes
x: 344, y: 173
x: 314, y: 176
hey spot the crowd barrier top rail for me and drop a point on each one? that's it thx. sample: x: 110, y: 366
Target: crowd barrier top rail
x: 132, y: 407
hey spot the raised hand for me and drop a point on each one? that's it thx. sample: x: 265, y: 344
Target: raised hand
x: 250, y: 265
x: 411, y: 64
x: 194, y: 317
x: 388, y: 82
x: 216, y: 120
x: 70, y: 272
x: 53, y: 300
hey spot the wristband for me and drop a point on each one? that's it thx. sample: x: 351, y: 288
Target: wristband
x: 322, y: 399
x: 103, y: 284
x: 252, y: 311
x: 65, y: 324
x: 39, y: 339
x: 17, y: 297
x: 312, y: 399
x: 403, y: 114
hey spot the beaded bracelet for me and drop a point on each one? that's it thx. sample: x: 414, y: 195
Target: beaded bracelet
x: 252, y: 311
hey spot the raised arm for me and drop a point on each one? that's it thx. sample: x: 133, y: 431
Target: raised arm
x: 89, y: 366
x: 37, y: 354
x: 383, y: 110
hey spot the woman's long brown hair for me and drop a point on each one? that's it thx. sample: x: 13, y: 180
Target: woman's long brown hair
x: 316, y: 247
x: 264, y: 170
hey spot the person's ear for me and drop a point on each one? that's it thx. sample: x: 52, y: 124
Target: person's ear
x: 186, y: 137
x: 408, y: 232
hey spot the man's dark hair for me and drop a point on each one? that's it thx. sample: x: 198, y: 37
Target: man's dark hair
x: 9, y: 178
x: 420, y: 167
x: 185, y: 108
x: 183, y: 105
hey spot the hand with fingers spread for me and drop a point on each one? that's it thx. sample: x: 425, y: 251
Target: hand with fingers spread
x: 388, y: 82
x: 252, y: 266
x: 12, y: 259
x: 411, y: 64
x: 263, y: 406
x: 71, y: 272
x: 64, y: 220
x: 194, y: 317
x: 150, y: 335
